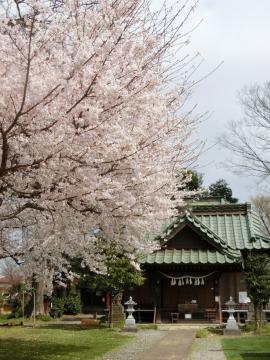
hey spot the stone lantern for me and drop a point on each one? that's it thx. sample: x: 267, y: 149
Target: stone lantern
x: 231, y: 326
x: 130, y: 323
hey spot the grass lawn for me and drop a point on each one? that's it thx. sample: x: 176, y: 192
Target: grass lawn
x: 65, y: 343
x: 247, y: 347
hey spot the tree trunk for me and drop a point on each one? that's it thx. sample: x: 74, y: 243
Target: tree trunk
x: 40, y: 298
x: 256, y: 315
x: 260, y: 316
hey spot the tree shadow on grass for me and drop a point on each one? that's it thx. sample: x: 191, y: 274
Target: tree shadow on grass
x: 15, y: 349
x: 69, y: 327
x: 256, y: 356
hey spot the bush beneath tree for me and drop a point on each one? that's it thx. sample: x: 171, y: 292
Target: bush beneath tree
x: 70, y: 304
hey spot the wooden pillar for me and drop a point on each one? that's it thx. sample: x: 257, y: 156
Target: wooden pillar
x: 235, y: 288
x: 158, y: 299
x: 219, y: 299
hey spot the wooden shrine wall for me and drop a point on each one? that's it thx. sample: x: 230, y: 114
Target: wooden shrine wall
x: 231, y: 283
x: 158, y: 290
x: 187, y: 238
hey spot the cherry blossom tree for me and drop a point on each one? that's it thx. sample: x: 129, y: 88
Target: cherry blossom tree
x: 90, y: 128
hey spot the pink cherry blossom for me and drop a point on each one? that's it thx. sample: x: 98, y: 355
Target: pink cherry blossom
x: 91, y: 133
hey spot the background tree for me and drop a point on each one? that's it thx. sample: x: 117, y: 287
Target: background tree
x: 91, y: 136
x: 249, y: 139
x: 221, y: 188
x: 262, y: 206
x: 121, y: 273
x: 257, y: 269
x: 196, y: 180
x: 12, y: 271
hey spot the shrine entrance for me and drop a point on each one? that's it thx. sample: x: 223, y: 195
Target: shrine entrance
x: 193, y: 296
x: 189, y: 295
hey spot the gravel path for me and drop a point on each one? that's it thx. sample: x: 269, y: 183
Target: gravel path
x: 174, y: 346
x: 202, y: 349
x: 207, y: 349
x: 143, y: 340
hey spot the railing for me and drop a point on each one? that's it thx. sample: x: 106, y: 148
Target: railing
x: 174, y: 315
x: 237, y: 306
x: 139, y: 314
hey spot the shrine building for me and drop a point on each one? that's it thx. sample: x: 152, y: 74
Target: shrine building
x: 200, y: 263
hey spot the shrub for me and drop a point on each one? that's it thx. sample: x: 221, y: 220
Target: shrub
x: 250, y: 327
x: 14, y: 315
x: 202, y: 333
x: 265, y: 330
x: 118, y: 325
x: 215, y: 330
x: 11, y: 321
x: 44, y: 317
x: 58, y: 306
x: 148, y: 327
x: 70, y: 304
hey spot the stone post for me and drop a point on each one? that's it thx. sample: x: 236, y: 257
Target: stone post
x: 117, y: 315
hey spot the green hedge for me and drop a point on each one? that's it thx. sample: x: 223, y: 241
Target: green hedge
x: 70, y: 304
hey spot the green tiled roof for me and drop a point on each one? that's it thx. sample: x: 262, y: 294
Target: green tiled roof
x: 239, y: 231
x: 189, y: 256
x: 229, y: 228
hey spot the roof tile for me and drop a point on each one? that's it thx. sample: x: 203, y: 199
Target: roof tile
x: 186, y: 256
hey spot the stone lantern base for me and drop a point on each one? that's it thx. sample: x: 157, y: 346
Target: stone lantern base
x: 130, y: 324
x: 230, y: 332
x: 231, y: 326
x: 130, y: 329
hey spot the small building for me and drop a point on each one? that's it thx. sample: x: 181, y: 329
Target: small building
x: 5, y: 285
x: 200, y: 262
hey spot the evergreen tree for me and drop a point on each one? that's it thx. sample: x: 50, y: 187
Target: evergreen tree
x: 257, y: 268
x: 196, y: 181
x: 221, y: 188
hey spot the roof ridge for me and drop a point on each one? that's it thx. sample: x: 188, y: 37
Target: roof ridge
x: 236, y: 232
x: 223, y: 245
x: 228, y: 250
x: 227, y: 208
x: 192, y: 218
x: 222, y: 242
x: 249, y: 223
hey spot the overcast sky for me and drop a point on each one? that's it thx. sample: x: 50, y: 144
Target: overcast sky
x: 238, y: 33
